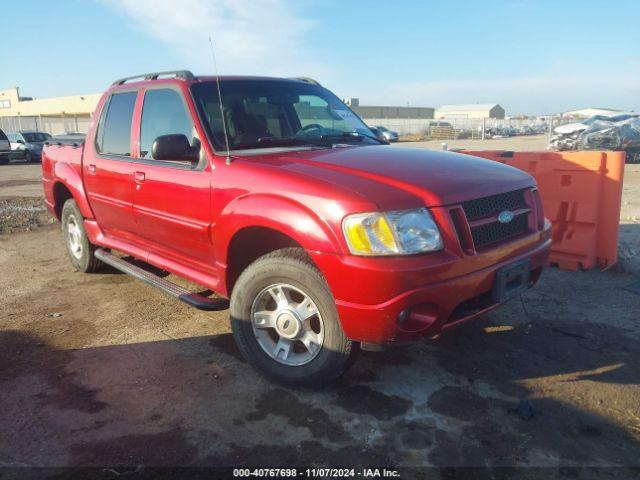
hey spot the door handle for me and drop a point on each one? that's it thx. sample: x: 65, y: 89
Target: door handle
x: 138, y: 177
x: 92, y: 169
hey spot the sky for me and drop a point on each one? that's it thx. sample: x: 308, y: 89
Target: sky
x: 532, y: 57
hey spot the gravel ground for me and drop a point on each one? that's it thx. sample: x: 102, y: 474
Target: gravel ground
x: 22, y: 214
x: 103, y: 370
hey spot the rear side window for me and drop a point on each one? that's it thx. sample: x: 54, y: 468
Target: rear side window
x: 114, y: 133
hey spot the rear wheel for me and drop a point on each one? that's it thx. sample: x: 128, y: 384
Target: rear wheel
x: 285, y: 322
x: 80, y: 250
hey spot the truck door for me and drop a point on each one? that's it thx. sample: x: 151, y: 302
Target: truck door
x: 106, y: 166
x: 171, y: 198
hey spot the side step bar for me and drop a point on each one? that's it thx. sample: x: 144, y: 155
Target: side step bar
x: 198, y: 301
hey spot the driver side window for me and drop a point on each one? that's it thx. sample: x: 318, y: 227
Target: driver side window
x: 163, y: 113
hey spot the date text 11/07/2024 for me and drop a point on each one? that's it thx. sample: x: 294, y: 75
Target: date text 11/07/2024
x: 316, y: 473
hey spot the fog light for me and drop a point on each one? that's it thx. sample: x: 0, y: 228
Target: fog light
x: 404, y: 316
x: 417, y: 318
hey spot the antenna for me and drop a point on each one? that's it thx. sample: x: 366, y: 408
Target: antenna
x: 224, y: 122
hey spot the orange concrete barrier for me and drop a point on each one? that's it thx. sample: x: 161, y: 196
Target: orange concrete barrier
x: 581, y: 195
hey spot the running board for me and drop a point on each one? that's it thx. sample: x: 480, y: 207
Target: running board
x: 195, y: 300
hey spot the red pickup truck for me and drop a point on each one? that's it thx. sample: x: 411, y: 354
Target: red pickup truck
x: 274, y: 195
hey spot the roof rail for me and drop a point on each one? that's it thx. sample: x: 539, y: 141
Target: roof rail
x: 183, y: 74
x: 307, y: 80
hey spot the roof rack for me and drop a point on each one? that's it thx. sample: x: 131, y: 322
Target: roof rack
x: 307, y: 80
x: 183, y: 74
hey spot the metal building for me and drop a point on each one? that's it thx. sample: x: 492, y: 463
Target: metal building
x: 53, y: 115
x: 480, y: 110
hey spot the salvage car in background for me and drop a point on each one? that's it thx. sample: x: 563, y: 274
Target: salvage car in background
x: 600, y: 132
x: 68, y: 138
x: 27, y: 144
x: 388, y: 135
x: 5, y: 148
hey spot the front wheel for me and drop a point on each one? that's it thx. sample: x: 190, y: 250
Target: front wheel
x: 28, y: 157
x: 80, y: 250
x: 285, y: 321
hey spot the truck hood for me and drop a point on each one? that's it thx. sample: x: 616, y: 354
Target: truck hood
x: 437, y: 177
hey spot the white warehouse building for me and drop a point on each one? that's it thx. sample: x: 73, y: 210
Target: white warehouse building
x: 480, y: 110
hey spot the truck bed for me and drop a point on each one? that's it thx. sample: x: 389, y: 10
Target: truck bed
x: 57, y: 161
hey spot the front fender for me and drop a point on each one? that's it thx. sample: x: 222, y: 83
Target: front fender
x: 284, y: 215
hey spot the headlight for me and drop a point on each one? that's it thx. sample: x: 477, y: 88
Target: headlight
x: 392, y: 233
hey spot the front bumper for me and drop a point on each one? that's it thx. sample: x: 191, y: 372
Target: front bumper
x: 409, y: 298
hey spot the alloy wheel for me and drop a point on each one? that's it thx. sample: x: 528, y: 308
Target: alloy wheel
x: 287, y: 324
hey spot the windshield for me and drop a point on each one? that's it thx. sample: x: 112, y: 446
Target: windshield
x: 271, y: 113
x: 35, y: 137
x: 382, y: 129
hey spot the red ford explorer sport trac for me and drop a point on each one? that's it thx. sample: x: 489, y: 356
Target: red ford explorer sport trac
x: 318, y: 236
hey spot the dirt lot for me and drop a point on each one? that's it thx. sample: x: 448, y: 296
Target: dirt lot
x: 103, y: 370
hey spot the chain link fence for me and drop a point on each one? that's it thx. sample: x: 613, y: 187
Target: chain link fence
x: 423, y: 128
x: 462, y: 128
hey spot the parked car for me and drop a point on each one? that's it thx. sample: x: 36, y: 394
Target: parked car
x: 273, y: 194
x: 69, y: 138
x: 378, y: 134
x: 27, y: 144
x: 5, y: 148
x: 389, y: 135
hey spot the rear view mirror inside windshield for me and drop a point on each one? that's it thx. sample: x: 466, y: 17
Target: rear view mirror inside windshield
x: 283, y: 98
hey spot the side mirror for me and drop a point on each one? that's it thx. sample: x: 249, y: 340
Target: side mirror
x: 20, y: 141
x: 171, y: 147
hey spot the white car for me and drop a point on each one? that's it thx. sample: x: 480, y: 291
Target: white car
x: 27, y: 144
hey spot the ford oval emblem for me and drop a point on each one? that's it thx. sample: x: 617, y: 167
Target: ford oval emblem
x: 505, y: 216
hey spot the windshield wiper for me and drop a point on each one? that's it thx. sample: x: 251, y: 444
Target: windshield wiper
x: 357, y: 136
x: 315, y: 141
x: 343, y: 136
x: 284, y: 141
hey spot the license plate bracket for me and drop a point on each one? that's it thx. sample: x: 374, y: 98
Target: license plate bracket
x: 511, y: 280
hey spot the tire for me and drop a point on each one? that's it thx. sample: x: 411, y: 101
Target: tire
x: 80, y: 250
x: 4, y: 161
x: 291, y: 362
x: 28, y: 157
